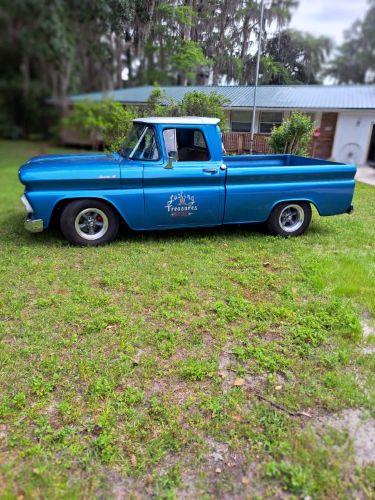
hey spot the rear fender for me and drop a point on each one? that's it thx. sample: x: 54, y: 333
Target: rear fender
x: 294, y: 200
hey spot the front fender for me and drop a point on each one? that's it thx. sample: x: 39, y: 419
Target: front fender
x: 127, y: 202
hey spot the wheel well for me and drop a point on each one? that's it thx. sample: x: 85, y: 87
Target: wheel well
x: 60, y: 205
x: 296, y: 201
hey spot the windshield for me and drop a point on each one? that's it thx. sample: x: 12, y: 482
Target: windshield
x: 140, y: 143
x: 132, y: 138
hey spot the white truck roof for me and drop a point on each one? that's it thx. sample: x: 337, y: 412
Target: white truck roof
x: 180, y: 120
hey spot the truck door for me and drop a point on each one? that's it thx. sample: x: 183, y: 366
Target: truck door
x: 188, y: 191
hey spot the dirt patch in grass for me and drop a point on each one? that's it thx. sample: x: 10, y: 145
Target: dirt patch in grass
x: 367, y: 328
x: 360, y: 429
x: 224, y: 472
x: 368, y: 331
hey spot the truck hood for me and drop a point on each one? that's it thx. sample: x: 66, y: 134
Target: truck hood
x: 70, y: 168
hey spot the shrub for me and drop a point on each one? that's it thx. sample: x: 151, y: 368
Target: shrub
x: 104, y: 121
x: 292, y: 136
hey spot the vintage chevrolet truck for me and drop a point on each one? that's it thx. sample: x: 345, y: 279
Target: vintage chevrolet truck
x: 172, y: 173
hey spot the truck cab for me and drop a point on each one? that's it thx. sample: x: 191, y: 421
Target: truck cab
x: 171, y: 173
x: 183, y: 171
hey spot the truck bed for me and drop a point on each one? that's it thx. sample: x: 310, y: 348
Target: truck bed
x: 282, y: 160
x: 256, y: 183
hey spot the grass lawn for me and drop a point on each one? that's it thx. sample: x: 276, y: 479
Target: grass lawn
x: 193, y: 363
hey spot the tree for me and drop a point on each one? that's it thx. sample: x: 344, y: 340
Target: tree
x: 53, y: 48
x: 187, y: 59
x: 194, y: 103
x: 201, y: 104
x: 294, y: 57
x: 293, y: 135
x: 354, y: 61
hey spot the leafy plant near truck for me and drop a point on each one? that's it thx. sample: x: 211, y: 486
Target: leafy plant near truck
x: 103, y: 121
x: 293, y: 135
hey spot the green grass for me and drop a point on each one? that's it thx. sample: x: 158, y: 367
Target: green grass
x: 118, y: 364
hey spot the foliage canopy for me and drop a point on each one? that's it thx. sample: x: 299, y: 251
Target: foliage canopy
x: 355, y: 58
x: 108, y: 121
x: 52, y: 48
x: 105, y: 120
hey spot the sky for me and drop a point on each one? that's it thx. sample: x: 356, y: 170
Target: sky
x: 327, y: 17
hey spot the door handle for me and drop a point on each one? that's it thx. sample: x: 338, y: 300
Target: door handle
x: 210, y: 170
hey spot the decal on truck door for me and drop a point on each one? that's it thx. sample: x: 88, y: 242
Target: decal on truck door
x: 181, y: 205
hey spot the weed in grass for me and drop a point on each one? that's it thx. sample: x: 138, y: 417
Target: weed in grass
x: 167, y: 483
x: 197, y: 369
x: 313, y: 467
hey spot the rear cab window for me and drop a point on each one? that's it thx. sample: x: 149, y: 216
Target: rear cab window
x: 188, y: 144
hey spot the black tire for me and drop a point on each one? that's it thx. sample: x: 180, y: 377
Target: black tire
x: 279, y: 223
x: 89, y: 223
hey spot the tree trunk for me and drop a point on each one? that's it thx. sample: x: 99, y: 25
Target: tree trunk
x: 25, y: 72
x: 215, y: 76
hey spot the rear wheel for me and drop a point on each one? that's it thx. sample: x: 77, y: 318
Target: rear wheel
x: 89, y: 223
x: 289, y: 219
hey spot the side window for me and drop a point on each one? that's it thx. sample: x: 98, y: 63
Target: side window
x: 147, y: 148
x: 188, y: 144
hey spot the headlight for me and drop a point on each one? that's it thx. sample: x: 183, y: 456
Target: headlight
x: 25, y: 201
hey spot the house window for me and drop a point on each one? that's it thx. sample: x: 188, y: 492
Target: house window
x: 241, y: 121
x: 268, y: 120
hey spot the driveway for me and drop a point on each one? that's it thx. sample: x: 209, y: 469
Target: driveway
x: 366, y: 174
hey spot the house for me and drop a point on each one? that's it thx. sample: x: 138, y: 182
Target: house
x: 343, y: 114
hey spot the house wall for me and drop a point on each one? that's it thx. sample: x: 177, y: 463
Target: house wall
x: 353, y: 133
x: 316, y: 115
x: 257, y: 115
x: 320, y: 147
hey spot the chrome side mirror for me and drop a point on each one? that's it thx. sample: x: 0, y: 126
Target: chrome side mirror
x: 171, y: 159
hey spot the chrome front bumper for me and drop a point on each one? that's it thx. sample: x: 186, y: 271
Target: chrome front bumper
x: 34, y: 225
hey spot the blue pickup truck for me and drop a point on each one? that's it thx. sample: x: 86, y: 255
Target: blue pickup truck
x: 172, y: 173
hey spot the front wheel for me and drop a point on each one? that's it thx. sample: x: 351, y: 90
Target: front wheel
x: 89, y: 223
x: 289, y: 219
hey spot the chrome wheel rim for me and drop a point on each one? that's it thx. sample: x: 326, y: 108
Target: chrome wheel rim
x: 91, y: 223
x: 291, y: 218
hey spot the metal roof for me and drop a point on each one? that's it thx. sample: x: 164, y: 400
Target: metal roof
x: 268, y: 96
x: 191, y: 120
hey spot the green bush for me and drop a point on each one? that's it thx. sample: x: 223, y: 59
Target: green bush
x: 104, y: 121
x: 293, y: 135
